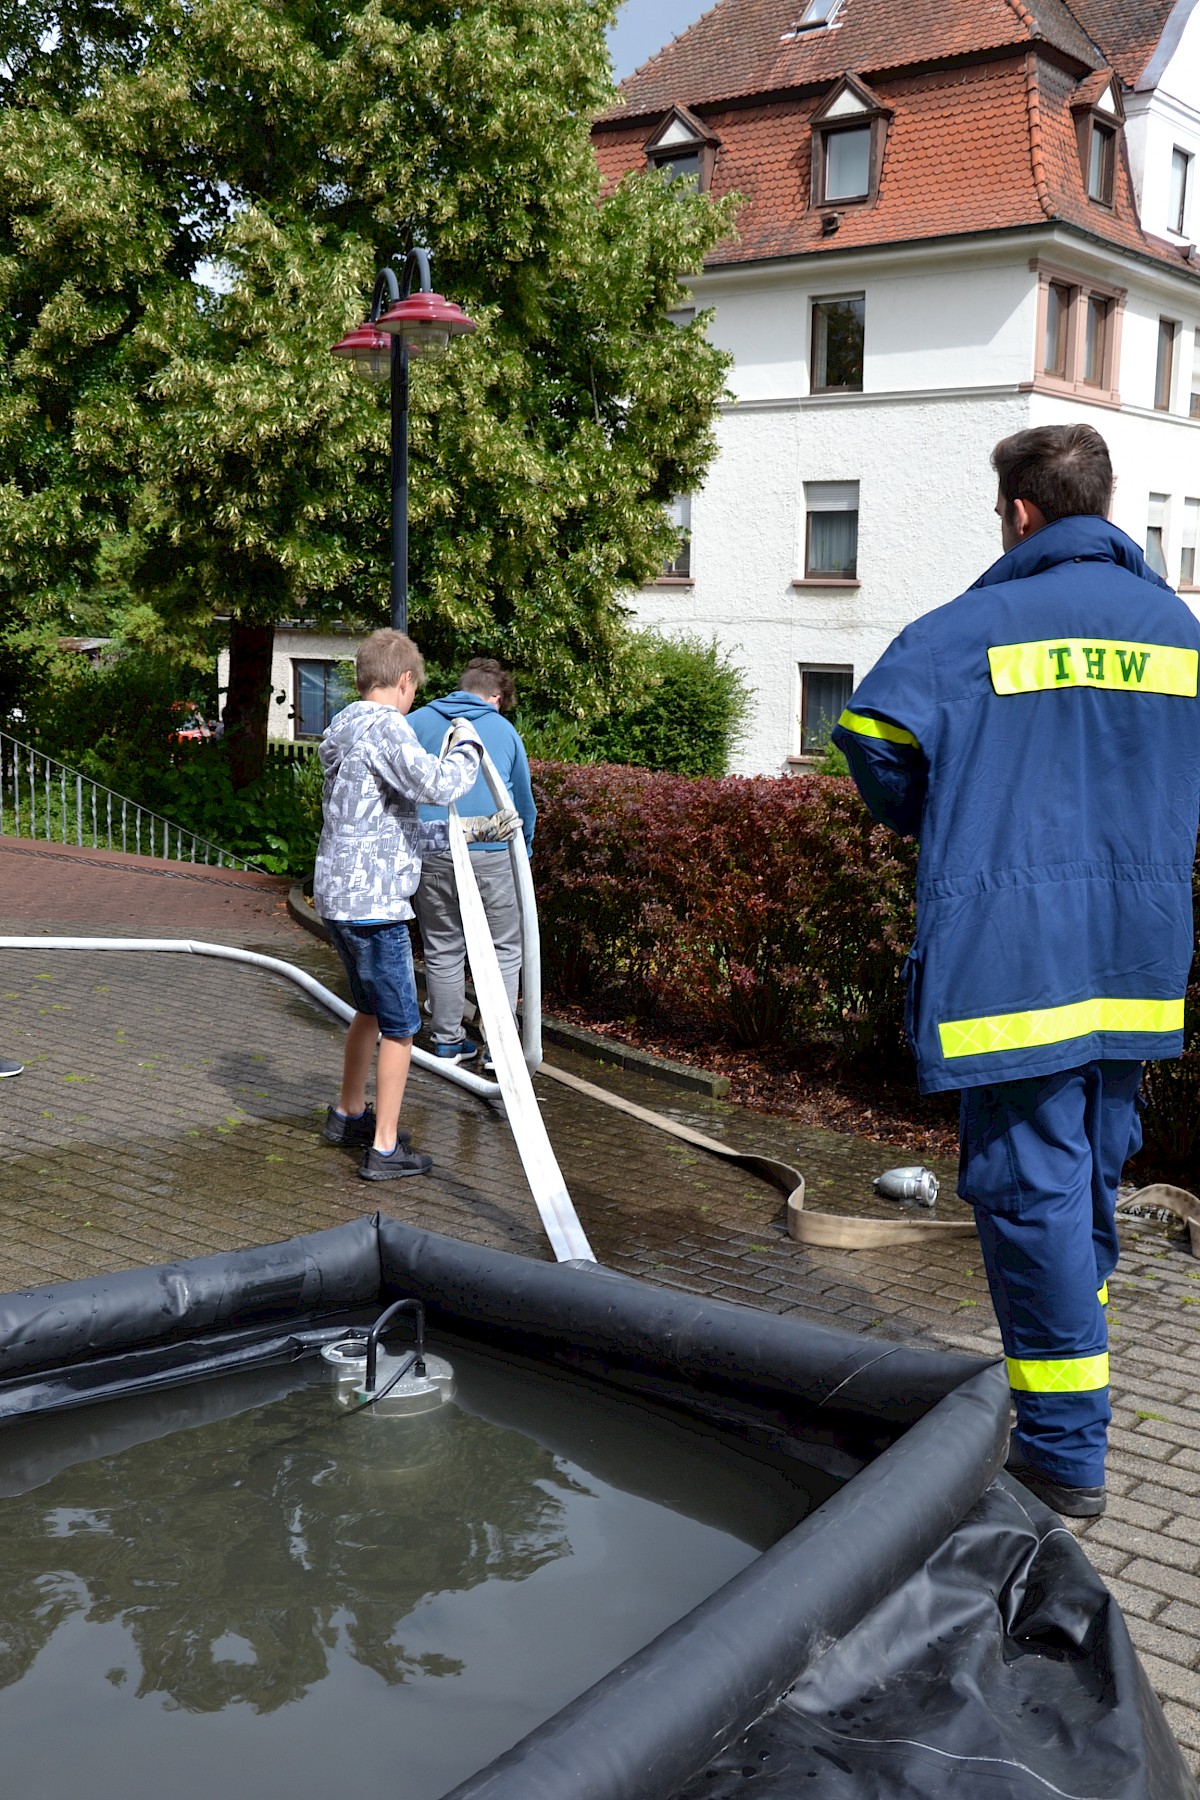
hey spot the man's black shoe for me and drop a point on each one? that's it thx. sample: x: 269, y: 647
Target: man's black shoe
x: 378, y: 1167
x: 1070, y: 1502
x: 359, y: 1132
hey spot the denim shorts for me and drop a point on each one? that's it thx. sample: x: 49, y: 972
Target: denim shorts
x: 377, y: 958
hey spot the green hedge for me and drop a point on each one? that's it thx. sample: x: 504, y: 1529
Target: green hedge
x: 682, y: 708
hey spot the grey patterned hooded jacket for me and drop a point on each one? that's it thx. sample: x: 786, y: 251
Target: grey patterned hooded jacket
x: 372, y: 842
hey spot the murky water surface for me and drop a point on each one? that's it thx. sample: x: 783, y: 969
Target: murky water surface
x: 233, y: 1588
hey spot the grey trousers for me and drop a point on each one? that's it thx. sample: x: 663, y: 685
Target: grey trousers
x: 436, y: 905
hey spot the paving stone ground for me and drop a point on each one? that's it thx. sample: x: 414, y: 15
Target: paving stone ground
x: 171, y: 1106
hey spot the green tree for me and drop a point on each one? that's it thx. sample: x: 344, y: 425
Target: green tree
x: 279, y: 151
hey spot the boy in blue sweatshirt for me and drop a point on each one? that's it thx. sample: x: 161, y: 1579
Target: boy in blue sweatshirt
x: 484, y: 693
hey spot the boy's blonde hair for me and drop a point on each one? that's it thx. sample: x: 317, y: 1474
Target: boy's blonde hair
x: 383, y: 658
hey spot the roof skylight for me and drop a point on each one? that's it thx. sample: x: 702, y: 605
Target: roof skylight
x: 816, y: 13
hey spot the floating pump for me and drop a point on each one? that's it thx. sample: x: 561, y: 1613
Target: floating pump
x: 404, y: 1386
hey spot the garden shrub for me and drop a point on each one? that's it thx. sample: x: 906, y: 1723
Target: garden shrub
x: 113, y: 721
x: 764, y: 909
x: 683, y: 710
x: 274, y: 822
x: 117, y: 725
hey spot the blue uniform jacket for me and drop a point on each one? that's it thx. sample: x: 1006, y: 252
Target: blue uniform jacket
x: 1041, y: 736
x: 503, y: 745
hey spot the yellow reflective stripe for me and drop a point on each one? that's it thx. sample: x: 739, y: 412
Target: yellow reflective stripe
x: 1071, y: 1375
x: 876, y: 728
x: 1056, y: 1024
x: 1102, y: 1294
x: 1112, y: 663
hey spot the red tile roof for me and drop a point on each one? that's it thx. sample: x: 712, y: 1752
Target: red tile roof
x: 981, y: 143
x: 749, y: 47
x: 1129, y: 30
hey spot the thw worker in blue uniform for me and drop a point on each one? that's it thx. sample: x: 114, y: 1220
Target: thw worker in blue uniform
x: 1040, y: 735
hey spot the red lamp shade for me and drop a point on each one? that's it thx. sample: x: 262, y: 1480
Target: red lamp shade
x: 425, y: 323
x: 367, y: 350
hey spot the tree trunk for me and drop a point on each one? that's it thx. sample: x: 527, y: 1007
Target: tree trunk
x: 249, y: 700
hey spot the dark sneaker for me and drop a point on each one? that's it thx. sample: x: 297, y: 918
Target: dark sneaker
x: 340, y: 1128
x: 359, y: 1133
x: 378, y: 1167
x: 461, y: 1052
x: 487, y: 1066
x: 10, y: 1068
x: 1070, y: 1502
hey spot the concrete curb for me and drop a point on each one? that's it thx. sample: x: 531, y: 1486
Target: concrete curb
x: 591, y: 1044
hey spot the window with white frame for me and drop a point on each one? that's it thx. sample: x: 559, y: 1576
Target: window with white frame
x: 680, y: 514
x: 1194, y: 392
x: 1156, y: 534
x: 824, y: 695
x: 1179, y: 192
x: 1187, y: 554
x: 1164, y: 371
x: 831, y: 530
x: 1078, y: 334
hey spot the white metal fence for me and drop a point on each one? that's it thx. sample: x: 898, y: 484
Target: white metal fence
x: 41, y: 798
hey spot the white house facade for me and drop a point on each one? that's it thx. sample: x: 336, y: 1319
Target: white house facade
x: 959, y: 221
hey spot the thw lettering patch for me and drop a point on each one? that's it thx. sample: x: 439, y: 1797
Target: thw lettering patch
x: 1095, y: 662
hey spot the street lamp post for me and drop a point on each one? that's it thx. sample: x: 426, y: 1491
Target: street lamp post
x: 420, y: 325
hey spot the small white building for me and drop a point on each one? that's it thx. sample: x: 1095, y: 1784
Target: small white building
x: 960, y: 218
x: 312, y: 677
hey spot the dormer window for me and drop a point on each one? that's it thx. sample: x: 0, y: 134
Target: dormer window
x: 684, y: 149
x: 1099, y: 117
x: 849, y: 129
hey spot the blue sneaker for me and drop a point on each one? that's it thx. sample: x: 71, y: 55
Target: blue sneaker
x: 461, y: 1052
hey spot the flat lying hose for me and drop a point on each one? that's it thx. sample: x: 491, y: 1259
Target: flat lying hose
x: 827, y: 1230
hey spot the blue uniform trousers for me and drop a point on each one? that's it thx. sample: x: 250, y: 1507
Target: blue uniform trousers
x: 1040, y: 1161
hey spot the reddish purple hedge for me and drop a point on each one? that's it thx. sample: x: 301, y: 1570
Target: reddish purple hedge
x: 766, y: 908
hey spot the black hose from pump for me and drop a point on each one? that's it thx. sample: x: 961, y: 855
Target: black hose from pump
x: 376, y: 1332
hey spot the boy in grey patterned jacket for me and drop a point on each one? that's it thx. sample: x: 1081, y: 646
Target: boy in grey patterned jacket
x: 368, y: 864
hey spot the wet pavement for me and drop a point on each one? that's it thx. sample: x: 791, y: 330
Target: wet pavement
x: 171, y: 1106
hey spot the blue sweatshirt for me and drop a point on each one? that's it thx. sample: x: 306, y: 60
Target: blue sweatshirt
x: 503, y: 745
x: 1041, y: 736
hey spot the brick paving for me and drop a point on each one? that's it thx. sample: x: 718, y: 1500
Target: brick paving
x: 171, y: 1106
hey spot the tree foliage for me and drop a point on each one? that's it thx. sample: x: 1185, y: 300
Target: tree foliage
x: 194, y: 197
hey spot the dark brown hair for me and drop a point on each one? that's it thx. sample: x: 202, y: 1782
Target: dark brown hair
x: 1061, y: 469
x: 383, y: 658
x: 484, y: 675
